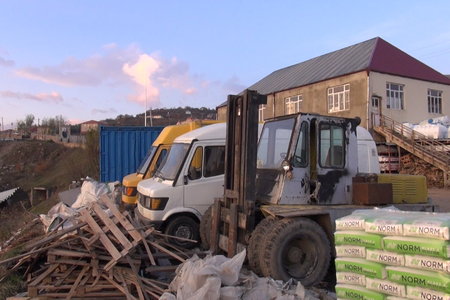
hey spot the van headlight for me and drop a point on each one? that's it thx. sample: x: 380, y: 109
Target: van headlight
x: 152, y: 203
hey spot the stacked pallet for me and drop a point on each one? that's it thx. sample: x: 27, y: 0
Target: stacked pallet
x: 389, y: 254
x: 413, y: 165
x: 105, y: 254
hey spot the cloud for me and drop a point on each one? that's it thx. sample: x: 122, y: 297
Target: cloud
x: 76, y: 121
x: 104, y: 111
x: 233, y: 85
x: 146, y: 76
x: 190, y: 91
x: 6, y: 63
x: 53, y: 97
x: 105, y: 68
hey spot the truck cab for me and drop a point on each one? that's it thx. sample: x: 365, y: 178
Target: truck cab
x: 185, y: 185
x: 154, y: 158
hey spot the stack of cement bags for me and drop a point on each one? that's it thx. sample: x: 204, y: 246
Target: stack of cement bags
x: 391, y: 254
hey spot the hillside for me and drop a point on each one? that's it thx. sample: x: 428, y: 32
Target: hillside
x: 163, y: 116
x: 33, y: 163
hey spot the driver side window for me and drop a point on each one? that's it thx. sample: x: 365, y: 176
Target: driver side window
x: 300, y: 155
x: 195, y: 168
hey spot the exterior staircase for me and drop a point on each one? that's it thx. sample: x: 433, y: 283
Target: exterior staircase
x: 428, y: 149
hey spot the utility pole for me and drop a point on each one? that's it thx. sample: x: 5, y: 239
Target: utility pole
x: 145, y: 115
x: 151, y: 119
x: 2, y: 123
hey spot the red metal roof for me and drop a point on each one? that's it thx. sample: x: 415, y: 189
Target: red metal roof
x: 388, y: 59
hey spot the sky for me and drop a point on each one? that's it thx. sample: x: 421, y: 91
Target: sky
x: 92, y: 60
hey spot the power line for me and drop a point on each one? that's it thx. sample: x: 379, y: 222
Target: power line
x: 429, y: 46
x: 437, y: 53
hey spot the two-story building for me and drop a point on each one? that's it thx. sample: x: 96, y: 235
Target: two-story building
x: 365, y: 80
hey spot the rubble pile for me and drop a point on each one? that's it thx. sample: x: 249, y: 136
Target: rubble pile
x: 103, y: 253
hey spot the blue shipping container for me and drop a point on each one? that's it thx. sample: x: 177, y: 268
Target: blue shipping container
x: 123, y: 148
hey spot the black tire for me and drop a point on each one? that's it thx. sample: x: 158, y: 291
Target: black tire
x: 184, y: 227
x: 296, y: 248
x: 254, y: 246
x: 205, y: 228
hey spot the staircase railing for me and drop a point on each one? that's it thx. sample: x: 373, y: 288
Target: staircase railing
x: 429, y: 149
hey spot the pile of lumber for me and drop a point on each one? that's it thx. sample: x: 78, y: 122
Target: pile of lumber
x: 413, y: 165
x: 101, y: 255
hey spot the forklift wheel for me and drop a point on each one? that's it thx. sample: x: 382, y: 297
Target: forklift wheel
x: 256, y: 240
x: 296, y: 248
x: 183, y: 227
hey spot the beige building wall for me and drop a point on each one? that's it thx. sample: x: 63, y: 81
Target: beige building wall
x: 315, y: 98
x: 415, y: 97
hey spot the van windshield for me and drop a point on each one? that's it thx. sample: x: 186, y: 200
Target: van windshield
x: 147, y: 160
x: 173, y: 161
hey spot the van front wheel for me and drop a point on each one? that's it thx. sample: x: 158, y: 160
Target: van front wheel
x: 183, y: 227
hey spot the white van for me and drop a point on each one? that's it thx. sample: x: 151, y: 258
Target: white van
x: 186, y: 185
x: 175, y: 199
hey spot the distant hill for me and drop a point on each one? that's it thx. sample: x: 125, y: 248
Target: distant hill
x: 163, y: 116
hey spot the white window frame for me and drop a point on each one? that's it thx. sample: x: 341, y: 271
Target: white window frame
x: 434, y: 101
x: 293, y: 104
x: 261, y: 112
x: 338, y: 98
x: 395, y: 96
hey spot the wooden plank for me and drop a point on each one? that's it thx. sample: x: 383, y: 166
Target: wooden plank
x: 37, y: 280
x: 120, y: 217
x: 75, y: 285
x: 117, y: 285
x: 124, y: 284
x: 147, y: 249
x: 112, y: 227
x: 103, y: 238
x: 13, y: 269
x: 156, y: 245
x: 64, y: 276
x: 52, y: 237
x: 233, y: 230
x: 138, y: 278
x: 35, y: 251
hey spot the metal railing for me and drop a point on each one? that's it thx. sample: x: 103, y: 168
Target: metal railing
x: 429, y: 149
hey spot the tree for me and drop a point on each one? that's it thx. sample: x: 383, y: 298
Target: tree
x: 29, y: 119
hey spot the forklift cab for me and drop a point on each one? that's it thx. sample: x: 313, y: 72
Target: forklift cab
x: 307, y: 159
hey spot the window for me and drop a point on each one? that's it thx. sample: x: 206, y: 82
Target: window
x: 434, y: 102
x: 394, y: 96
x: 211, y: 164
x: 300, y: 156
x: 262, y: 109
x: 273, y: 144
x: 331, y: 146
x: 293, y: 104
x: 195, y: 168
x: 339, y: 98
x: 214, y: 161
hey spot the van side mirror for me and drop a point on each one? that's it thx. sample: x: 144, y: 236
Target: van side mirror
x: 186, y: 179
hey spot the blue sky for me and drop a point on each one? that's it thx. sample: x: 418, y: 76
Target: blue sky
x: 98, y: 59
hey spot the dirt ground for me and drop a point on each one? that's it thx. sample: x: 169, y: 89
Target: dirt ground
x: 440, y: 197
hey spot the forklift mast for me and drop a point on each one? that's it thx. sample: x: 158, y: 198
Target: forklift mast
x: 236, y: 211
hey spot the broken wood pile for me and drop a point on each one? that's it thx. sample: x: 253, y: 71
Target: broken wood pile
x: 99, y: 256
x: 412, y: 165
